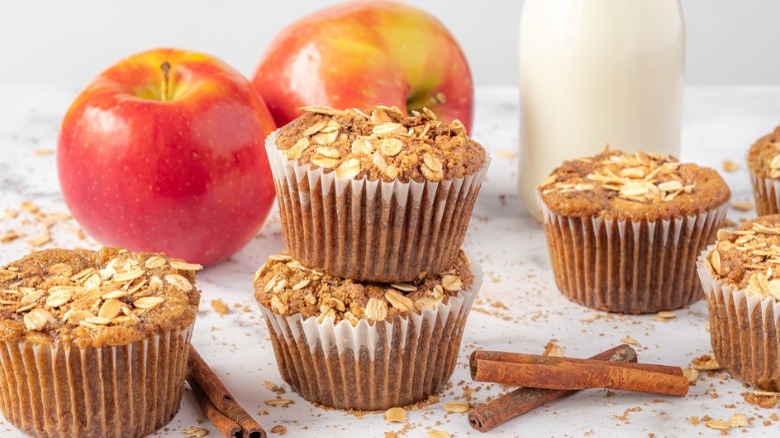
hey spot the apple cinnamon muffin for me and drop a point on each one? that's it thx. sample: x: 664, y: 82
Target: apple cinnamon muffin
x: 764, y: 166
x: 742, y: 287
x: 624, y: 230
x: 365, y: 346
x: 95, y: 342
x: 375, y: 195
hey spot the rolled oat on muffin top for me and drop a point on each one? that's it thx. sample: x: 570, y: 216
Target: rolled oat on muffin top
x: 287, y: 287
x: 636, y: 186
x: 764, y: 155
x: 95, y: 298
x: 749, y: 257
x: 381, y: 142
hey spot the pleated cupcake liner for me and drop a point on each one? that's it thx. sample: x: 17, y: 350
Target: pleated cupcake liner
x: 48, y: 390
x: 370, y: 367
x: 371, y: 230
x: 744, y: 330
x: 766, y: 192
x: 626, y: 266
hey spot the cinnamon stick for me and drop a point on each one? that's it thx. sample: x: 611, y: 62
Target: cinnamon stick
x: 549, y: 372
x: 225, y: 425
x: 515, y: 403
x: 200, y: 373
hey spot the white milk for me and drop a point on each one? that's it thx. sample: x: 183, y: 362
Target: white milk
x: 594, y: 72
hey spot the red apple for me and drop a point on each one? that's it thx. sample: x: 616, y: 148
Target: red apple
x: 357, y: 55
x: 164, y: 152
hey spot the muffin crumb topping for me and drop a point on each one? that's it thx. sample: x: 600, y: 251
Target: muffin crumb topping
x: 381, y: 142
x: 287, y: 287
x: 56, y: 289
x: 749, y: 257
x: 639, y: 177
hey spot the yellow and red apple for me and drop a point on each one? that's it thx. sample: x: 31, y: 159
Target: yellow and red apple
x: 362, y: 54
x: 163, y: 151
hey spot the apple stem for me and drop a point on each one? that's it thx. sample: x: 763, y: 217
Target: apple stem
x: 166, y: 69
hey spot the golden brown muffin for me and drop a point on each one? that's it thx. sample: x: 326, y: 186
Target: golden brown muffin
x: 375, y: 196
x: 742, y: 285
x: 624, y: 230
x: 364, y: 346
x: 96, y: 341
x: 764, y: 166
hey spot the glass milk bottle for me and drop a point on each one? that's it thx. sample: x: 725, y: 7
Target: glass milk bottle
x: 596, y: 72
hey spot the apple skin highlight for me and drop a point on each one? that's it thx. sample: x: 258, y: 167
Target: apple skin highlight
x: 357, y: 55
x: 186, y: 174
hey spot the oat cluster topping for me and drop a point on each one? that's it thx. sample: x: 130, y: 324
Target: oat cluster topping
x: 381, y: 143
x: 764, y: 156
x: 640, y: 177
x: 287, y: 287
x: 750, y: 257
x: 58, y: 288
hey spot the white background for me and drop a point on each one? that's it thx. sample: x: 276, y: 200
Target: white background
x: 69, y: 42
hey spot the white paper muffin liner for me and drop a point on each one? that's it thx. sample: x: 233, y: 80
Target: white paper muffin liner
x: 766, y: 192
x: 744, y: 330
x: 625, y: 266
x: 371, y: 230
x: 372, y: 367
x: 47, y: 390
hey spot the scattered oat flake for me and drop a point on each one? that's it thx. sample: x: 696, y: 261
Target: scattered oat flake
x: 28, y: 206
x: 195, y: 432
x: 9, y: 236
x: 437, y: 434
x: 395, y: 415
x: 272, y: 386
x: 690, y: 374
x: 40, y: 240
x: 43, y: 153
x: 730, y: 166
x: 506, y: 153
x: 629, y: 340
x: 738, y: 420
x: 694, y: 420
x: 717, y: 424
x: 220, y: 307
x: 9, y: 213
x: 457, y: 407
x: 276, y: 402
x: 705, y: 363
x: 553, y: 349
x: 742, y: 206
x: 761, y: 399
x: 279, y: 429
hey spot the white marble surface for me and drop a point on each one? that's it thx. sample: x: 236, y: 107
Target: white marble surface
x: 519, y: 309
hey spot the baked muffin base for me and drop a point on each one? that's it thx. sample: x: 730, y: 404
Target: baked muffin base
x: 629, y: 266
x: 367, y: 230
x: 744, y: 330
x: 112, y: 391
x: 371, y: 367
x: 766, y: 192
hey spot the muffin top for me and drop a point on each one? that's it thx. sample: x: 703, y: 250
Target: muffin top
x: 635, y: 186
x: 381, y: 143
x: 764, y: 156
x: 749, y: 257
x: 95, y: 298
x: 287, y: 287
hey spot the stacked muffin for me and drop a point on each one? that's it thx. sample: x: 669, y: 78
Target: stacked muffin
x: 366, y: 306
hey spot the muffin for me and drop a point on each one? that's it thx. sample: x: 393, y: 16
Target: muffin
x: 95, y: 343
x: 624, y: 231
x: 742, y: 285
x: 374, y: 195
x: 365, y: 346
x: 764, y: 167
